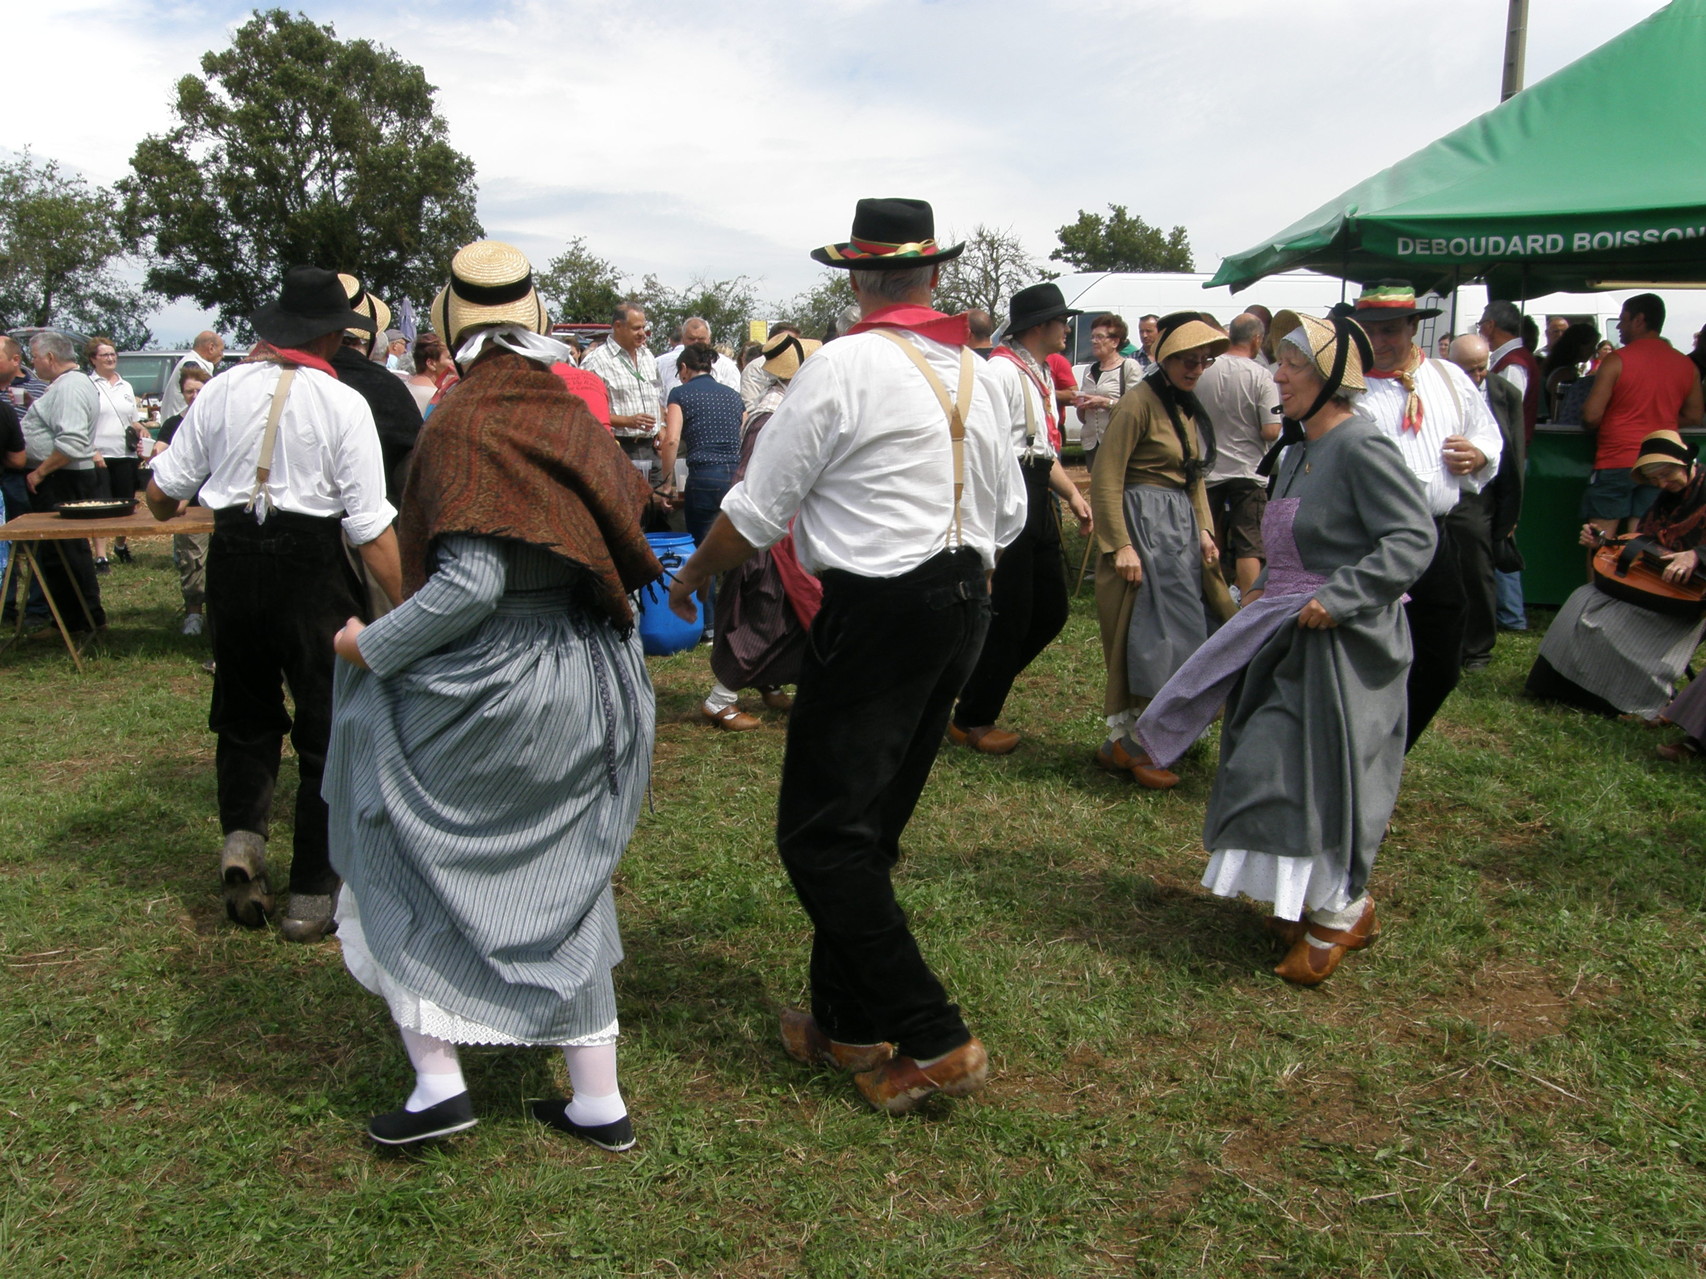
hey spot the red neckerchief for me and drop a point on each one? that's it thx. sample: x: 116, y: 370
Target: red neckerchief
x: 1007, y: 352
x: 950, y: 330
x: 288, y: 355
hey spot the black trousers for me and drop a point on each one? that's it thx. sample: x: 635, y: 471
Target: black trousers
x: 276, y: 595
x: 885, y: 660
x: 78, y: 564
x: 1471, y: 525
x: 1436, y: 612
x: 1028, y: 607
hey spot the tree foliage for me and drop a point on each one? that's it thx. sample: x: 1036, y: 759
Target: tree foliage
x: 1122, y: 242
x: 819, y: 307
x: 578, y: 286
x: 60, y: 248
x: 294, y: 146
x: 726, y: 305
x: 993, y: 267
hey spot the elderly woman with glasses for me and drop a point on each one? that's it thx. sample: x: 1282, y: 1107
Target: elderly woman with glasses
x: 1313, y: 669
x: 1158, y: 586
x: 1107, y: 378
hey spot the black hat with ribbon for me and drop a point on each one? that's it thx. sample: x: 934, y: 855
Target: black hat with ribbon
x: 311, y: 304
x: 889, y: 235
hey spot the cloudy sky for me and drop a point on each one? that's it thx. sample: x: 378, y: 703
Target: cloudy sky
x: 728, y: 139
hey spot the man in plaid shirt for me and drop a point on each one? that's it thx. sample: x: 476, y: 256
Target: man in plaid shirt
x: 629, y: 372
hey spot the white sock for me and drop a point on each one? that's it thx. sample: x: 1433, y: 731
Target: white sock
x: 1337, y: 920
x: 592, y: 1075
x: 438, y: 1070
x: 720, y: 697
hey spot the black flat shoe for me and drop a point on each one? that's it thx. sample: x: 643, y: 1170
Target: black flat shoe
x: 404, y: 1127
x: 615, y: 1137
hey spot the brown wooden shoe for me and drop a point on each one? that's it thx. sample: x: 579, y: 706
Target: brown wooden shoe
x: 988, y: 740
x: 776, y: 699
x: 1289, y: 931
x: 900, y: 1084
x: 1309, y: 965
x: 731, y: 719
x: 804, y: 1042
x: 1114, y: 757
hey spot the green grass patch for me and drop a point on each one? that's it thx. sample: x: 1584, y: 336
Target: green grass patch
x: 1509, y: 1084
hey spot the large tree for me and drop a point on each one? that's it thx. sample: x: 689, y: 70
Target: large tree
x: 726, y: 305
x: 60, y: 248
x: 294, y: 146
x: 578, y: 286
x: 1122, y: 242
x: 993, y: 267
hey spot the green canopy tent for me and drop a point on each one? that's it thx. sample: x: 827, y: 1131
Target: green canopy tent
x: 1593, y: 178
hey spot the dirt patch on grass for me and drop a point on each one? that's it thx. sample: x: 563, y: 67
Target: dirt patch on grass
x: 1517, y: 1002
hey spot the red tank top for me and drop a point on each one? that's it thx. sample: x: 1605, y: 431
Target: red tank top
x: 1655, y: 379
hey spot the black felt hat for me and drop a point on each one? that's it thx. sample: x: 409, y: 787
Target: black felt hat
x: 311, y: 304
x: 1036, y: 305
x: 889, y: 235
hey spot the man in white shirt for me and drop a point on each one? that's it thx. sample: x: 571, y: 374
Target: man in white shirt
x: 630, y: 373
x: 278, y: 585
x: 207, y: 350
x: 1242, y: 404
x: 1027, y: 596
x: 694, y: 332
x: 1449, y: 439
x: 902, y: 524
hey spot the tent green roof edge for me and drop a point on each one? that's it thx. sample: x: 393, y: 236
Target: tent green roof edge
x: 1586, y: 179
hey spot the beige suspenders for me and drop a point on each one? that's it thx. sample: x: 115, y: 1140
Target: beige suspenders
x: 955, y: 411
x: 269, y: 443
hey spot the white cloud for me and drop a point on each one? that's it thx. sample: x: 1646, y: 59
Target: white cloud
x: 730, y: 139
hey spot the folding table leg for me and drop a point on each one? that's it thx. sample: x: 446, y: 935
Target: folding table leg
x: 53, y: 607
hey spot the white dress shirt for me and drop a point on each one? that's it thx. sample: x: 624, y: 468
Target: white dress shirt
x: 669, y: 377
x: 1515, y: 374
x: 1016, y: 390
x: 326, y: 460
x: 859, y: 450
x: 1451, y: 405
x: 755, y: 380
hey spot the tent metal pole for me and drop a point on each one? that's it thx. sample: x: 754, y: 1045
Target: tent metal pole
x: 1454, y: 284
x: 1516, y: 44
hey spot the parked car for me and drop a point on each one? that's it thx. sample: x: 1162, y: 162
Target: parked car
x: 147, y: 371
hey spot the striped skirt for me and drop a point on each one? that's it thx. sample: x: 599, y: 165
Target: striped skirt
x: 1627, y: 655
x: 480, y: 801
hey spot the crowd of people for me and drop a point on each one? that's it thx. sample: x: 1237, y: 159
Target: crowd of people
x: 1302, y: 524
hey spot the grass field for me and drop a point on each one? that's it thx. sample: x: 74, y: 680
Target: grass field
x: 1509, y: 1084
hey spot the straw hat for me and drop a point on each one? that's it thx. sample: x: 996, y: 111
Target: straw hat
x: 490, y: 283
x: 1184, y: 331
x: 364, y: 302
x: 1664, y: 448
x: 889, y: 235
x: 784, y: 353
x: 1325, y: 338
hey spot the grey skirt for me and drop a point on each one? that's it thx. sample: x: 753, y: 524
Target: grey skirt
x: 1629, y: 655
x: 1169, y: 620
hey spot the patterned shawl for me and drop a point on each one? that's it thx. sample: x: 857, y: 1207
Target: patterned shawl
x: 512, y: 454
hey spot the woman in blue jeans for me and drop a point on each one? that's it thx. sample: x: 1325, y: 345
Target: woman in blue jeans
x: 702, y: 423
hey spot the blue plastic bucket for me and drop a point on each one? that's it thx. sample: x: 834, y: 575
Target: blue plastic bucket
x: 661, y: 631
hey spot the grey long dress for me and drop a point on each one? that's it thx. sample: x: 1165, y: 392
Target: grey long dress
x: 1312, y: 748
x: 483, y: 780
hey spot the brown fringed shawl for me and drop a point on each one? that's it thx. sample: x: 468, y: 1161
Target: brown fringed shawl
x: 512, y: 454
